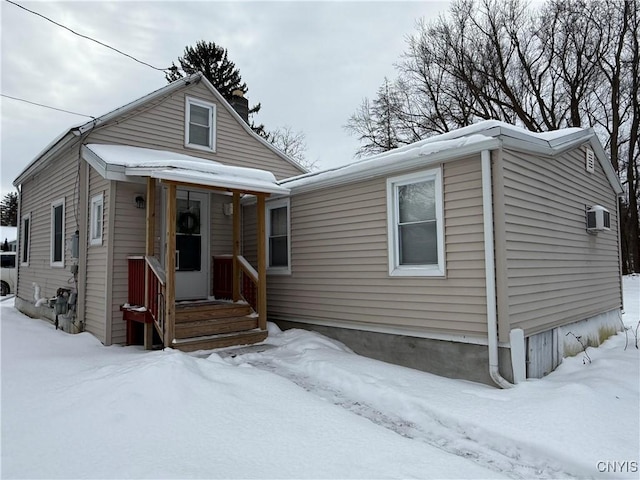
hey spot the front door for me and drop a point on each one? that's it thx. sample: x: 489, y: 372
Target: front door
x: 192, y: 245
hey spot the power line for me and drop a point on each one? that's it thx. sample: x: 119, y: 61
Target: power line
x: 45, y: 106
x: 88, y: 38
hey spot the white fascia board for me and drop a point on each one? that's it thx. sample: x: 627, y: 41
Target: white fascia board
x: 393, y: 167
x: 167, y: 89
x: 106, y: 170
x: 212, y: 181
x: 61, y: 142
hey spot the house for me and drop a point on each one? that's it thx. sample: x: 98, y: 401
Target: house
x: 471, y: 254
x: 121, y: 217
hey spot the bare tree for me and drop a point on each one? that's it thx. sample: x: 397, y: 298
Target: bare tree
x: 293, y: 144
x: 568, y: 63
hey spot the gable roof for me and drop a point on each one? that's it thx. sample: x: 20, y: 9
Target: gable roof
x: 74, y: 133
x: 485, y: 135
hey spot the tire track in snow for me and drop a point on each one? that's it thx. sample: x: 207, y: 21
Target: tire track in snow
x: 513, y: 462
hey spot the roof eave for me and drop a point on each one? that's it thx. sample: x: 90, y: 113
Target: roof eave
x: 394, y: 167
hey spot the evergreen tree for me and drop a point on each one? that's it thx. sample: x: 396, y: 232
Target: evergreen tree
x: 9, y: 210
x: 212, y: 60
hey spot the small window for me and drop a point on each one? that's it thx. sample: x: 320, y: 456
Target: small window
x: 200, y: 128
x: 278, y: 234
x: 97, y: 218
x: 57, y: 233
x: 415, y: 225
x: 25, y: 239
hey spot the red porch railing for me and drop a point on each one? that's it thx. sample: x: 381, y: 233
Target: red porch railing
x: 223, y: 279
x: 149, y: 294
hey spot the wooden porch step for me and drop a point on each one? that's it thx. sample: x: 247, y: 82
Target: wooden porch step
x: 214, y: 326
x: 220, y: 341
x: 190, y: 312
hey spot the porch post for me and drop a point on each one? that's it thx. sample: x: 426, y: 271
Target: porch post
x: 149, y: 252
x: 236, y: 245
x: 170, y: 266
x: 262, y: 265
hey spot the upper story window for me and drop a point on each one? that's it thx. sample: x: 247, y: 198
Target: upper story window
x: 200, y: 124
x: 415, y: 224
x: 25, y: 239
x: 96, y: 219
x: 57, y: 233
x: 278, y: 235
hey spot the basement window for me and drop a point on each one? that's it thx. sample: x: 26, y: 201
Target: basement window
x: 415, y: 224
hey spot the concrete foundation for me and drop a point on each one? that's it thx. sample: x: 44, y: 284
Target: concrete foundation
x: 46, y: 313
x: 446, y: 358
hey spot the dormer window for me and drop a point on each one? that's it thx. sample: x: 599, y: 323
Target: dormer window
x: 200, y: 125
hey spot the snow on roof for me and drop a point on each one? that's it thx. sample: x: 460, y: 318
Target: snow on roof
x: 136, y: 161
x: 463, y: 141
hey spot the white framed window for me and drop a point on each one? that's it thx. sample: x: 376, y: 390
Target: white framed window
x: 415, y: 224
x: 96, y: 219
x: 57, y: 233
x: 278, y: 227
x: 200, y: 124
x: 25, y: 239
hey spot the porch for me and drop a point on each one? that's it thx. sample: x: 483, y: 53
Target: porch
x: 171, y: 283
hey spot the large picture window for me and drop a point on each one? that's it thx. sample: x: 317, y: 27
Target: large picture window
x: 200, y: 128
x: 57, y: 233
x: 278, y: 235
x: 415, y: 224
x: 25, y: 239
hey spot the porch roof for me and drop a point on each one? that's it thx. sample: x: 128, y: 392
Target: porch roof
x: 124, y: 163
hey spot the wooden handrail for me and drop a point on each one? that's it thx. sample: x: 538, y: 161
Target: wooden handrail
x: 248, y: 269
x: 156, y: 268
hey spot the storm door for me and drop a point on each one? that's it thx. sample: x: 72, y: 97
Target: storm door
x: 192, y: 245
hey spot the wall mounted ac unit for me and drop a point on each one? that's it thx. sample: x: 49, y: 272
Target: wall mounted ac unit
x: 598, y: 219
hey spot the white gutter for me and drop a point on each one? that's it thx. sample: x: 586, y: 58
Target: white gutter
x: 490, y: 271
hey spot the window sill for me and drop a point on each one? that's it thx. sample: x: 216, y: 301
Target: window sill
x: 202, y: 148
x: 417, y: 271
x: 278, y: 271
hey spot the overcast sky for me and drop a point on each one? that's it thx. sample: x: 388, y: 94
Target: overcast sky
x: 310, y: 64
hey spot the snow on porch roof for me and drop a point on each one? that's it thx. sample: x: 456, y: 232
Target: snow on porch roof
x: 121, y: 162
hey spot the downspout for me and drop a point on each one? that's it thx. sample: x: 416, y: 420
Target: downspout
x: 490, y: 271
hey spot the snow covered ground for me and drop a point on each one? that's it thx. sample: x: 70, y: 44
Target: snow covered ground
x: 304, y: 407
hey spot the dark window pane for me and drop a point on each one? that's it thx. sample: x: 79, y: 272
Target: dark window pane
x: 57, y: 234
x: 189, y: 249
x: 278, y: 250
x: 279, y: 221
x: 199, y: 115
x: 199, y: 135
x: 188, y: 216
x: 418, y: 244
x: 25, y: 242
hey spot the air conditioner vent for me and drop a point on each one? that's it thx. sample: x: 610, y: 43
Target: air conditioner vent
x: 590, y: 161
x: 598, y: 219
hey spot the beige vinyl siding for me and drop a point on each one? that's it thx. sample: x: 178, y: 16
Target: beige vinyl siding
x: 249, y: 234
x: 340, y: 261
x: 160, y: 125
x: 221, y: 226
x: 56, y: 181
x: 557, y: 273
x: 95, y: 306
x: 128, y: 240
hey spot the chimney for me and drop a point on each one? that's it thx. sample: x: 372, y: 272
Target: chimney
x: 240, y: 105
